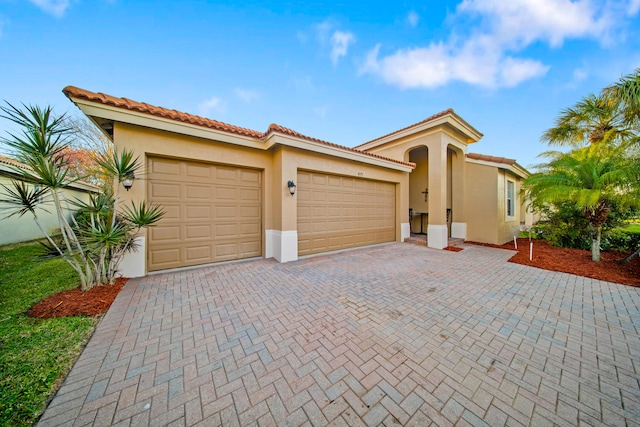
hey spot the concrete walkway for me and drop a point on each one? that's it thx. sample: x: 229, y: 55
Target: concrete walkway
x: 394, y: 334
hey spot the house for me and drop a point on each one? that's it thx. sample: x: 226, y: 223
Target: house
x: 232, y: 193
x: 23, y: 228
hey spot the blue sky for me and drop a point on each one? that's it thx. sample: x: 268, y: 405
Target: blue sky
x: 345, y: 73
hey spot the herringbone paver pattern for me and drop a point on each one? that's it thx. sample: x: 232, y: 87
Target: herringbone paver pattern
x: 394, y: 334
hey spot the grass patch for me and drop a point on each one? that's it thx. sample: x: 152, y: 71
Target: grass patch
x: 632, y: 228
x: 35, y: 354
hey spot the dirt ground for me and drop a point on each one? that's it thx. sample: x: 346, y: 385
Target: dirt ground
x: 574, y: 261
x: 77, y: 303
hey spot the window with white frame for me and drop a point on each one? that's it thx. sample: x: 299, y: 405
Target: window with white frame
x: 511, y: 198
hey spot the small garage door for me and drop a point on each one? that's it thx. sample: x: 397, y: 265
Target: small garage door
x: 213, y: 213
x: 339, y: 212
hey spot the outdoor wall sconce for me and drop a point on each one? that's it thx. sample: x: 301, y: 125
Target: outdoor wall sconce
x: 127, y: 182
x: 292, y: 187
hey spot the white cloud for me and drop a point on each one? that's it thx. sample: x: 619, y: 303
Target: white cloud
x: 336, y: 40
x: 413, y: 19
x: 56, y: 8
x: 633, y: 8
x: 340, y: 41
x: 522, y: 22
x: 514, y: 71
x: 321, y: 112
x: 213, y: 104
x: 438, y: 65
x: 247, y: 95
x: 485, y: 47
x: 579, y: 75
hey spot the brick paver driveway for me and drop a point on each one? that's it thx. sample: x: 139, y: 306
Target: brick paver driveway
x: 394, y: 334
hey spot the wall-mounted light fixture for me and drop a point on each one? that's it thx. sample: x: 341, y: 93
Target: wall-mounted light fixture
x: 127, y: 181
x: 292, y: 187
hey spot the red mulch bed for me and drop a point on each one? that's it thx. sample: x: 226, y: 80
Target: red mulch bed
x: 77, y: 303
x: 575, y: 261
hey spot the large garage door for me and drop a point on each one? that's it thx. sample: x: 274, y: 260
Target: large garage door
x: 213, y: 213
x: 338, y: 212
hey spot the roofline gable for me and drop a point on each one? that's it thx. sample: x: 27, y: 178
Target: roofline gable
x: 129, y: 111
x: 446, y: 117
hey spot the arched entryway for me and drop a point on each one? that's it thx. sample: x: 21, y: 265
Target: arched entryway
x: 436, y: 193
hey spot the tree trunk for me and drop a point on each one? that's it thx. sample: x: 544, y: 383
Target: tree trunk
x: 596, y: 234
x: 630, y: 257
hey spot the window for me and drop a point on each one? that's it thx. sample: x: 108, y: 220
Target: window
x: 511, y: 202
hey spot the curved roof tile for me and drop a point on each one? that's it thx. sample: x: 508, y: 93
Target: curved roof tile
x: 142, y: 107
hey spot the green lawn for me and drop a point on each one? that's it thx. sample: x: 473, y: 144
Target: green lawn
x: 632, y: 228
x: 35, y: 354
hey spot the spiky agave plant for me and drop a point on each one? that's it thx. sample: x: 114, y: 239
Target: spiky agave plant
x: 93, y: 247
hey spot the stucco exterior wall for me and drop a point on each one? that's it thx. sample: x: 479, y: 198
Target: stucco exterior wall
x: 419, y: 180
x: 481, y: 203
x: 279, y: 164
x: 23, y: 228
x: 508, y: 226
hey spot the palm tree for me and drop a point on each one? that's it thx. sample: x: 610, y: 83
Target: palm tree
x: 594, y: 119
x: 594, y: 178
x: 627, y: 93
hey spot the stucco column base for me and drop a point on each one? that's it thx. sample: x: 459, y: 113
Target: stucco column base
x: 405, y: 231
x: 282, y: 245
x: 459, y: 230
x: 133, y: 263
x: 437, y: 236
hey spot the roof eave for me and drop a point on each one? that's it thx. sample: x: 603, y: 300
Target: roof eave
x: 451, y: 119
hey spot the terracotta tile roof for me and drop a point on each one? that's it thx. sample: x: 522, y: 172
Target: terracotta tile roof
x: 494, y: 159
x: 286, y: 131
x: 11, y: 162
x: 127, y: 104
x: 428, y: 119
x: 143, y: 107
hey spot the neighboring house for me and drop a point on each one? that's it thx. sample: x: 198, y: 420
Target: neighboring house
x: 23, y: 228
x: 226, y: 189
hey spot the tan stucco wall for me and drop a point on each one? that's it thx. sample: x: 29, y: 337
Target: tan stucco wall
x: 508, y: 226
x: 481, y: 203
x: 419, y: 180
x: 296, y: 159
x: 486, y: 195
x: 279, y: 165
x: 23, y: 228
x: 147, y: 142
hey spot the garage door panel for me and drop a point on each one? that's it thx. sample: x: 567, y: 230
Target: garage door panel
x: 250, y: 176
x: 197, y: 212
x: 164, y: 256
x: 213, y: 214
x: 198, y: 191
x: 165, y: 233
x: 250, y: 230
x: 198, y: 232
x: 198, y: 170
x: 332, y: 217
x: 198, y: 253
x: 226, y: 212
x: 250, y: 249
x: 249, y: 212
x: 160, y: 190
x: 165, y: 167
x: 249, y: 194
x: 171, y: 212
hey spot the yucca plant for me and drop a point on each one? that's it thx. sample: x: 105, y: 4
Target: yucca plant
x: 95, y: 243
